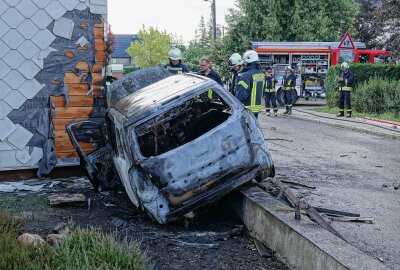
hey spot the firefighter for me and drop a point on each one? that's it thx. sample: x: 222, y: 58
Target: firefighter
x: 288, y: 85
x: 207, y: 71
x: 345, y: 79
x: 175, y: 65
x: 251, y: 84
x: 270, y: 92
x: 236, y: 64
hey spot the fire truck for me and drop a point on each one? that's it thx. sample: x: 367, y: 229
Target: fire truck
x: 310, y: 62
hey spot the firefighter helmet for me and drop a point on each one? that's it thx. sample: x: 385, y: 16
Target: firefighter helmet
x: 235, y: 60
x: 250, y: 57
x: 345, y: 65
x: 289, y: 68
x: 175, y: 54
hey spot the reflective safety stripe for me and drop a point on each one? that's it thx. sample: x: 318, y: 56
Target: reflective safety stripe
x: 210, y: 93
x: 270, y: 90
x: 180, y: 72
x: 255, y: 108
x: 346, y: 88
x: 242, y: 83
x: 288, y: 86
x: 253, y: 98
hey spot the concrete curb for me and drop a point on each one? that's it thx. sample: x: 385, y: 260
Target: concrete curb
x: 322, y: 118
x: 300, y: 244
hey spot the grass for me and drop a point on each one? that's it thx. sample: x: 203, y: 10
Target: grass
x: 15, y: 203
x: 83, y: 249
x: 335, y: 110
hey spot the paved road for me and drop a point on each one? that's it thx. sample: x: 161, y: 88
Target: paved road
x: 349, y: 169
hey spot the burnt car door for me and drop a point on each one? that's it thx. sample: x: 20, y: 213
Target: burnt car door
x: 90, y: 142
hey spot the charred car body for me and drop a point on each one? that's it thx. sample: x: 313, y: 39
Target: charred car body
x: 173, y: 148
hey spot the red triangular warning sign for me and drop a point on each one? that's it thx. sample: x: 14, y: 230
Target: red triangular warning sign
x: 347, y: 42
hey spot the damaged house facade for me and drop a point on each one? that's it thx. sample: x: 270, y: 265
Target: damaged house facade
x: 52, y: 59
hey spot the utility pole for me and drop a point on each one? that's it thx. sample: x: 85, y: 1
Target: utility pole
x: 214, y: 15
x: 214, y: 18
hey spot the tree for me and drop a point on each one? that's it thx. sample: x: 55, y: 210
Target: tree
x: 200, y: 46
x: 388, y: 16
x: 368, y: 27
x: 284, y: 20
x: 151, y: 49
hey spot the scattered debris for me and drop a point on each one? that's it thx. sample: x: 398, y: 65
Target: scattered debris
x: 24, y: 216
x: 66, y: 199
x: 298, y: 184
x: 369, y: 220
x: 344, y: 155
x: 19, y: 186
x: 262, y: 249
x: 303, y: 205
x: 61, y: 228
x: 109, y: 205
x: 334, y: 213
x: 278, y: 139
x: 193, y: 245
x: 119, y: 222
x: 218, y: 235
x: 396, y: 185
x: 378, y: 166
x: 28, y: 239
x: 384, y: 185
x: 380, y: 259
x: 330, y: 215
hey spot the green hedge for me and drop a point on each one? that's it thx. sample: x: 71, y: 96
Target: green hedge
x: 130, y: 69
x: 378, y: 96
x: 362, y: 73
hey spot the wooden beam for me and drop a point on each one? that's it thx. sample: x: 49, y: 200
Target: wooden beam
x: 75, y: 101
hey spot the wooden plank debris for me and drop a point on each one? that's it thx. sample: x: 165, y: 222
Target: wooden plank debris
x: 66, y: 199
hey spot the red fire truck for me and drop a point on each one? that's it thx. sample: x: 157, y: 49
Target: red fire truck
x: 310, y: 61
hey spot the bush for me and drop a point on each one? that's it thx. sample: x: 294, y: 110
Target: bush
x: 130, y: 69
x: 378, y: 96
x: 362, y: 73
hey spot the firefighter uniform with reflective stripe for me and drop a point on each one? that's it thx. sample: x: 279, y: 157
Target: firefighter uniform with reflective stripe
x: 288, y: 85
x: 177, y: 69
x: 250, y: 87
x: 345, y: 88
x: 270, y: 94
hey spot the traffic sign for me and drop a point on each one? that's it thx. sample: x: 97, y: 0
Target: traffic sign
x: 347, y: 42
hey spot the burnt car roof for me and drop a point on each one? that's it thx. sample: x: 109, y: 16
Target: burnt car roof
x: 151, y: 96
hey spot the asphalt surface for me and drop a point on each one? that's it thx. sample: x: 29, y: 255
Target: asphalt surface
x: 353, y: 170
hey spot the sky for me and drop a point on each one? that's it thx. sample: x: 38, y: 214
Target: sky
x: 178, y: 17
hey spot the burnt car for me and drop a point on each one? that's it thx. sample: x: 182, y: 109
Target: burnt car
x: 175, y: 145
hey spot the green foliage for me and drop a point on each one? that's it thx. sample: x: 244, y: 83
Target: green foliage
x: 92, y: 249
x: 192, y: 55
x: 12, y: 256
x: 362, y: 73
x: 82, y: 249
x: 378, y: 96
x: 130, y: 69
x: 151, y: 49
